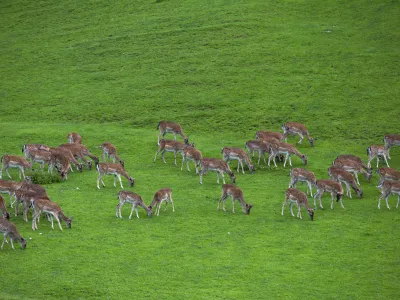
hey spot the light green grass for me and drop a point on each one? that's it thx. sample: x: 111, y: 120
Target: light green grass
x: 223, y: 70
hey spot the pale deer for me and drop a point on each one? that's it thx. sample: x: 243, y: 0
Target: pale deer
x: 191, y: 154
x: 171, y: 146
x: 377, y: 151
x: 12, y: 161
x: 29, y: 147
x: 3, y: 208
x: 236, y: 194
x: 292, y: 196
x: 164, y: 194
x: 260, y: 146
x: 302, y: 175
x: 293, y: 128
x: 110, y: 151
x: 135, y: 200
x: 113, y: 169
x: 353, y: 167
x: 287, y: 150
x: 230, y: 153
x: 172, y: 127
x: 217, y: 165
x: 342, y: 176
x: 9, y: 230
x: 261, y: 135
x: 329, y: 186
x: 81, y: 151
x: 388, y: 174
x: 387, y: 188
x: 391, y: 140
x: 74, y: 138
x: 51, y: 208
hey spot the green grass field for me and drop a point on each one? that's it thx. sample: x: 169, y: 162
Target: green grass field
x: 223, y: 69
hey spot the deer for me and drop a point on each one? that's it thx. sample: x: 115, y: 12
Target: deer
x: 377, y: 151
x: 51, y: 208
x: 388, y: 174
x: 67, y: 153
x: 387, y: 188
x: 10, y: 230
x: 391, y: 140
x: 133, y: 198
x: 61, y: 163
x: 115, y: 169
x: 230, y: 190
x: 261, y: 135
x: 13, y: 161
x: 217, y: 165
x: 27, y: 198
x: 29, y: 147
x: 294, y: 128
x: 353, y: 167
x: 6, y: 215
x: 171, y: 146
x: 9, y: 186
x: 172, y: 127
x: 42, y: 157
x: 286, y: 149
x: 354, y: 158
x: 230, y: 153
x: 341, y: 175
x: 74, y: 138
x: 292, y: 196
x: 303, y: 175
x: 164, y: 194
x: 260, y: 146
x: 191, y: 154
x: 330, y: 186
x: 110, y: 151
x: 81, y: 151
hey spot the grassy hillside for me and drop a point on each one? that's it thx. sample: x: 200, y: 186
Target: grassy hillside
x: 223, y: 70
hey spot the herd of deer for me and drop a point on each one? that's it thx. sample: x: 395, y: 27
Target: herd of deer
x: 344, y: 170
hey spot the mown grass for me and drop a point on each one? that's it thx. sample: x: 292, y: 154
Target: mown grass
x: 223, y: 70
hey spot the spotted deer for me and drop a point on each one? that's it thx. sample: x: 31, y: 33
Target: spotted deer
x: 9, y: 186
x: 42, y: 157
x: 261, y: 135
x: 61, y: 163
x: 217, y: 165
x: 191, y: 154
x: 330, y: 186
x: 230, y: 153
x: 260, y: 146
x: 172, y: 127
x: 29, y: 147
x: 377, y: 151
x: 113, y: 169
x: 3, y: 208
x: 230, y: 190
x: 74, y: 138
x: 391, y: 140
x: 354, y: 158
x: 51, y: 208
x: 303, y: 175
x: 341, y: 175
x: 134, y: 199
x: 27, y: 198
x: 353, y: 167
x: 292, y: 196
x: 293, y: 128
x: 388, y: 174
x: 110, y: 151
x: 387, y: 188
x: 287, y: 150
x: 13, y: 161
x: 162, y: 195
x: 67, y: 153
x: 171, y: 146
x: 9, y: 230
x: 81, y: 151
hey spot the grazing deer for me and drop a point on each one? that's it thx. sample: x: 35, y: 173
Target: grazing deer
x: 287, y: 150
x: 135, y: 200
x: 293, y: 128
x: 110, y: 151
x: 260, y: 146
x: 330, y: 186
x: 292, y: 196
x: 113, y: 169
x: 341, y: 175
x: 238, y: 154
x: 171, y: 146
x: 236, y: 194
x: 191, y: 154
x: 164, y: 194
x: 387, y: 188
x: 27, y: 198
x: 391, y: 140
x: 12, y: 161
x: 217, y: 165
x: 354, y: 158
x: 81, y: 151
x: 303, y: 175
x: 388, y: 174
x: 29, y: 147
x: 42, y: 157
x: 174, y: 128
x: 61, y: 163
x: 3, y: 208
x: 10, y: 230
x: 9, y: 186
x: 74, y: 138
x: 51, y: 208
x: 67, y: 153
x: 377, y: 151
x: 261, y: 135
x: 353, y: 167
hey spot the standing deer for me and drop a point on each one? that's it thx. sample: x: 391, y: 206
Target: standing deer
x: 260, y: 146
x: 353, y: 167
x: 236, y: 194
x: 9, y: 186
x: 341, y: 175
x: 238, y: 154
x: 81, y: 151
x: 191, y: 154
x: 261, y: 135
x: 217, y: 165
x: 287, y: 150
x: 135, y: 200
x: 292, y: 196
x: 67, y: 153
x: 387, y: 188
x: 12, y: 161
x: 356, y: 159
x: 51, y: 208
x: 293, y: 128
x: 330, y: 186
x: 377, y: 151
x: 171, y: 146
x: 164, y: 194
x: 42, y: 157
x: 27, y: 198
x: 110, y: 151
x: 112, y: 169
x: 172, y: 127
x: 74, y: 138
x: 29, y: 147
x: 303, y: 175
x: 388, y: 174
x: 3, y: 208
x: 391, y: 140
x: 10, y: 230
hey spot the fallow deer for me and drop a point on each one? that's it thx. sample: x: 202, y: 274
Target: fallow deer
x: 354, y: 158
x: 74, y: 138
x: 27, y: 199
x: 191, y: 154
x: 10, y: 230
x: 12, y: 161
x: 171, y: 146
x: 341, y: 175
x: 261, y: 135
x: 135, y: 200
x: 81, y: 151
x: 113, y: 169
x: 3, y: 208
x: 260, y: 146
x: 51, y: 208
x: 217, y: 165
x: 230, y: 153
x: 330, y: 186
x: 287, y: 150
x: 61, y: 163
x: 292, y: 196
x: 236, y: 194
x: 353, y: 167
x: 9, y: 186
x: 377, y: 151
x: 391, y: 140
x: 67, y: 153
x: 387, y: 188
x: 172, y: 127
x: 303, y: 175
x: 110, y: 151
x: 29, y: 147
x: 42, y: 157
x: 164, y: 194
x: 293, y: 128
x: 388, y: 174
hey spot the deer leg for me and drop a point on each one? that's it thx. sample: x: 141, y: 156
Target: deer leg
x: 398, y: 201
x: 158, y: 208
x: 155, y: 157
x: 183, y: 160
x: 9, y: 176
x: 310, y: 188
x: 241, y: 162
x: 223, y: 177
x: 299, y: 212
x: 201, y: 176
x: 223, y: 197
x: 133, y: 208
x: 301, y: 138
x: 4, y: 240
x: 286, y: 158
x: 291, y: 208
x: 162, y: 155
x: 233, y: 205
x: 120, y: 181
x: 384, y: 156
x: 386, y: 199
x: 356, y: 176
x: 333, y: 199
x: 380, y: 198
x: 172, y: 203
x: 341, y: 202
x: 59, y: 223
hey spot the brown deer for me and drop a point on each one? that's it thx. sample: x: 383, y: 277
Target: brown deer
x: 391, y: 140
x: 113, y: 169
x: 330, y: 186
x: 261, y: 135
x: 135, y: 200
x: 27, y: 199
x: 217, y: 165
x: 191, y: 154
x: 353, y: 167
x: 292, y: 196
x: 260, y: 146
x: 29, y: 147
x: 10, y: 230
x: 172, y: 127
x: 81, y: 151
x: 74, y: 138
x: 387, y: 188
x: 377, y: 151
x: 110, y: 151
x: 230, y: 153
x: 12, y: 161
x: 171, y: 146
x: 3, y: 208
x: 67, y: 153
x: 164, y: 194
x: 236, y: 194
x: 9, y: 186
x: 51, y: 208
x: 286, y: 149
x: 42, y: 157
x: 293, y: 128
x: 303, y: 175
x: 341, y: 175
x: 354, y: 158
x: 388, y: 174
